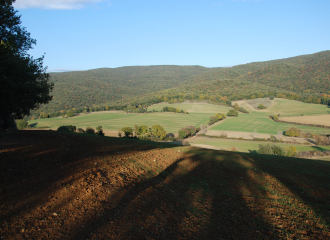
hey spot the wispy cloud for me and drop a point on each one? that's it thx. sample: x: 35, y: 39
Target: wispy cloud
x: 53, y: 4
x: 217, y: 4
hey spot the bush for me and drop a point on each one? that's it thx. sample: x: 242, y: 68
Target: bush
x: 21, y: 124
x: 80, y: 130
x: 158, y: 131
x: 291, y: 151
x: 213, y: 120
x: 69, y: 113
x: 278, y: 150
x: 90, y: 130
x: 232, y: 113
x: 71, y: 128
x: 182, y: 134
x: 271, y: 97
x: 144, y: 137
x: 128, y: 131
x: 243, y: 110
x: 99, y: 131
x: 265, y: 149
x: 192, y: 130
x: 63, y: 129
x: 271, y: 150
x: 293, y: 132
x: 261, y: 106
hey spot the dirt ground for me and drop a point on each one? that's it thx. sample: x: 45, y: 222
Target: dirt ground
x: 73, y: 186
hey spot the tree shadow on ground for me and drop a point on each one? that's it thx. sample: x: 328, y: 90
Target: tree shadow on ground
x: 125, y: 189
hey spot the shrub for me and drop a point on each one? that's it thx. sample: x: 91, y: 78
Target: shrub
x: 232, y: 113
x: 71, y: 128
x: 128, y: 131
x: 261, y: 106
x: 278, y: 150
x: 63, y: 129
x: 213, y: 120
x: 291, y: 151
x: 271, y: 97
x: 191, y: 129
x: 265, y: 149
x: 293, y: 132
x: 182, y: 134
x: 271, y: 150
x: 69, y: 113
x: 90, y: 130
x: 144, y: 137
x: 158, y: 131
x: 80, y: 130
x: 243, y: 110
x: 99, y: 131
x: 21, y: 124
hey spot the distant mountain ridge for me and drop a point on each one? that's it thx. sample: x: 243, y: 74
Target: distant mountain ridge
x: 306, y: 74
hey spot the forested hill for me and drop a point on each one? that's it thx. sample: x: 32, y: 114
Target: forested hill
x: 307, y: 75
x: 108, y: 85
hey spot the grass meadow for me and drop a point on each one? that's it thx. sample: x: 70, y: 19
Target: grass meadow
x: 289, y: 108
x: 199, y: 113
x: 245, y: 146
x: 192, y: 107
x: 261, y: 123
x: 171, y: 122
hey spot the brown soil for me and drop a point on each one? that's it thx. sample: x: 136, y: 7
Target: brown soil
x: 74, y: 186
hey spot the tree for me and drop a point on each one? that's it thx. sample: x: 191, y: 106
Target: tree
x: 158, y: 131
x: 24, y: 82
x: 69, y: 113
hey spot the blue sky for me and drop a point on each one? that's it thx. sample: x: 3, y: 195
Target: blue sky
x: 89, y: 34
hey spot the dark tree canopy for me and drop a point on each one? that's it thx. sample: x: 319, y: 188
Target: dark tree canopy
x: 24, y: 83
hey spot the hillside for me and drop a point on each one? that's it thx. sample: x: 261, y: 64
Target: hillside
x: 303, y: 78
x: 107, y: 85
x: 90, y: 187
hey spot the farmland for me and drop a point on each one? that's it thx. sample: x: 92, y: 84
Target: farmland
x: 172, y: 122
x: 261, y: 123
x: 79, y: 186
x: 199, y: 113
x: 196, y: 107
x: 244, y: 146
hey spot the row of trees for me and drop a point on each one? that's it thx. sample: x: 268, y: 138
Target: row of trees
x: 216, y: 118
x: 172, y: 109
x: 143, y: 132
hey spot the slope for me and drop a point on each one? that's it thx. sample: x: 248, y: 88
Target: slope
x: 90, y: 187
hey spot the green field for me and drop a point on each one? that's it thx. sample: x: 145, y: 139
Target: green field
x: 172, y: 122
x: 245, y: 146
x: 192, y: 107
x: 260, y: 122
x: 294, y: 108
x: 199, y: 114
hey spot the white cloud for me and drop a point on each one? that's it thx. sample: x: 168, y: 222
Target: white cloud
x: 53, y: 4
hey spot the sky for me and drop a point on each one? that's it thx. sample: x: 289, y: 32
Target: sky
x: 90, y: 34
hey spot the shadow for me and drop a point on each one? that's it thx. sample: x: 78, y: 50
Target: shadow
x: 113, y: 188
x: 33, y: 125
x: 318, y: 148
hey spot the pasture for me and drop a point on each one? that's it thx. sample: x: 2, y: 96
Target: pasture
x: 261, y: 123
x: 197, y: 107
x: 171, y: 122
x: 289, y: 108
x: 244, y: 146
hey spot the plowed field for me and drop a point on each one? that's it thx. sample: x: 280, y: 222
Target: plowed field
x: 74, y: 186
